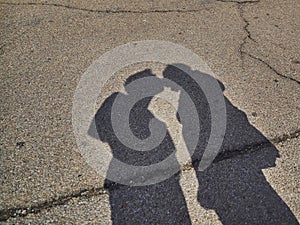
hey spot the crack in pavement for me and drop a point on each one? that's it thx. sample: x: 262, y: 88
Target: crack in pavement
x: 270, y: 67
x: 23, y: 211
x: 249, y: 37
x: 240, y: 5
x: 245, y: 28
x: 106, y: 11
x: 239, y: 2
x: 243, y: 52
x: 247, y: 149
x: 285, y: 137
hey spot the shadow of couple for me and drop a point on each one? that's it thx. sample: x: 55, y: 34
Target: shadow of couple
x: 233, y: 186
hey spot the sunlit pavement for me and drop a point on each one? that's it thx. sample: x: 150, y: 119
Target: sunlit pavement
x: 251, y: 46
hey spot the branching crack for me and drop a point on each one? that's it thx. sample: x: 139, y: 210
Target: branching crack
x: 248, y: 149
x: 242, y: 51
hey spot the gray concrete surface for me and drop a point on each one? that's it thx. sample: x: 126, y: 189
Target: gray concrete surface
x: 252, y: 46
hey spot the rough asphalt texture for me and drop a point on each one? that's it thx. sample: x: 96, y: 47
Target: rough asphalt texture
x: 252, y: 47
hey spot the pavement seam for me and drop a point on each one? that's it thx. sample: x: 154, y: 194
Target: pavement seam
x: 105, y: 11
x: 23, y: 211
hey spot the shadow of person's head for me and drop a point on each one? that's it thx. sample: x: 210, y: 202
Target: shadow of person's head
x: 240, y: 136
x: 102, y: 117
x: 234, y: 185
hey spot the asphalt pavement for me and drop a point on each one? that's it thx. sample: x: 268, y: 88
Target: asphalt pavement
x: 252, y: 46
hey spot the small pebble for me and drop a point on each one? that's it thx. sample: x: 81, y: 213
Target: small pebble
x: 20, y: 144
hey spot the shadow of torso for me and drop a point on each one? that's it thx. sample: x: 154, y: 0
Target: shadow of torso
x: 234, y: 185
x: 160, y: 203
